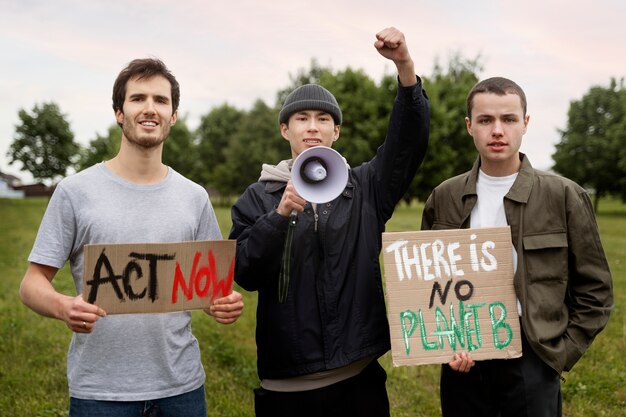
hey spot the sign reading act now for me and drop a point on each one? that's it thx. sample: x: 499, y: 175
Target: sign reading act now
x: 450, y: 291
x: 158, y: 277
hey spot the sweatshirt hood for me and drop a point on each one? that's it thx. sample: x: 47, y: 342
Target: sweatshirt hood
x: 280, y: 172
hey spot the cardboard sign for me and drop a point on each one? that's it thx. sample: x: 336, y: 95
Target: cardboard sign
x: 157, y: 277
x: 450, y: 291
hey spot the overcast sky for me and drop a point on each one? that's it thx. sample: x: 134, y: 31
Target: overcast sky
x: 70, y: 51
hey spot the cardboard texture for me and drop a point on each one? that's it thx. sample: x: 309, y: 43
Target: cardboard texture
x: 450, y: 291
x: 157, y: 277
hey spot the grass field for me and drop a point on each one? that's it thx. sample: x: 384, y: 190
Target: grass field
x: 33, y: 349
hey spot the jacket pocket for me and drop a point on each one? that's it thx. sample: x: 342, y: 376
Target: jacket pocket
x: 545, y: 256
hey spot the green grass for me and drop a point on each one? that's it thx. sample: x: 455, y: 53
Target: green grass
x: 33, y: 349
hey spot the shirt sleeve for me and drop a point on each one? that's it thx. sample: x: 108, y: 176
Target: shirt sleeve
x: 208, y: 228
x: 56, y: 236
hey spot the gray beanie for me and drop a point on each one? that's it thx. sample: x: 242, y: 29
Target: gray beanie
x: 310, y: 97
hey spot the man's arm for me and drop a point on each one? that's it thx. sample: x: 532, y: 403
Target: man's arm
x: 398, y: 158
x: 260, y: 231
x: 590, y: 292
x: 391, y: 44
x: 37, y: 292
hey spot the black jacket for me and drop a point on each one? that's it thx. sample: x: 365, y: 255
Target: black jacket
x: 335, y: 311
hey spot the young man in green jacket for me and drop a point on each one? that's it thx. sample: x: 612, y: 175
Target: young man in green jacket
x: 562, y: 279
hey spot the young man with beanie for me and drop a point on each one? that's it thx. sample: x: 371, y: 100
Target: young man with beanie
x: 562, y: 278
x: 128, y: 364
x: 318, y: 341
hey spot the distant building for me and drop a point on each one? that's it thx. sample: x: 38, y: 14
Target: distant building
x: 7, y: 184
x: 36, y: 190
x: 12, y: 187
x: 12, y: 180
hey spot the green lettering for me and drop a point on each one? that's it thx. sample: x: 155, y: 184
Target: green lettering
x: 497, y: 324
x: 444, y: 329
x: 471, y: 346
x: 459, y: 330
x: 408, y: 333
x: 425, y: 343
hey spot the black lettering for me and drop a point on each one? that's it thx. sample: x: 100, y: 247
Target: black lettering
x: 98, y: 280
x: 437, y: 289
x: 152, y: 280
x: 457, y: 290
x: 128, y: 289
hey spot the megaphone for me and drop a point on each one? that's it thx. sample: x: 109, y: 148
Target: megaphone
x: 319, y: 174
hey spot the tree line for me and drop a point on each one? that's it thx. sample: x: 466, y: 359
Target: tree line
x: 225, y: 152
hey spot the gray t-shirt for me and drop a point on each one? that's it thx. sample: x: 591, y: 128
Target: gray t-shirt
x: 137, y: 356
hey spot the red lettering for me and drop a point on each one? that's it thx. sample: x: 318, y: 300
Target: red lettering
x: 222, y: 286
x: 208, y: 277
x: 201, y: 280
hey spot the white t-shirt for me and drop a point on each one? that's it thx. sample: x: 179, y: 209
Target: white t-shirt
x: 489, y: 208
x: 136, y: 356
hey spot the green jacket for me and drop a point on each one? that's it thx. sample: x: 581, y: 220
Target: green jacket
x: 563, y: 280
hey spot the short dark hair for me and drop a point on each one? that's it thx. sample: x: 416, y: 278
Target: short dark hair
x: 143, y: 69
x: 495, y: 85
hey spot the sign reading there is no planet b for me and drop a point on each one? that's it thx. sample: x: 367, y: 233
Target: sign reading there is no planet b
x: 451, y: 291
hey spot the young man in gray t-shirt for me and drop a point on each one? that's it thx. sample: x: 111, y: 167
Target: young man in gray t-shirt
x: 127, y: 365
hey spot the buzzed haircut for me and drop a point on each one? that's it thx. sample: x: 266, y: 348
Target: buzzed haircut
x: 143, y: 69
x: 495, y: 85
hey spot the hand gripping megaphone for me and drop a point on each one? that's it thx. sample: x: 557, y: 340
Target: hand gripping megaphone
x: 319, y: 174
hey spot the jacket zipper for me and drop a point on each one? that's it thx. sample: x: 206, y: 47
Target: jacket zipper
x: 315, y: 216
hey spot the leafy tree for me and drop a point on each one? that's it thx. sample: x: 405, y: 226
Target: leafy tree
x: 591, y: 151
x: 233, y: 144
x: 215, y: 132
x: 102, y: 148
x: 451, y: 150
x: 180, y: 150
x: 365, y: 107
x: 43, y: 142
x: 256, y: 141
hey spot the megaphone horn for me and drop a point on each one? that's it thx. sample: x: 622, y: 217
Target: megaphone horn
x: 319, y: 174
x: 313, y: 170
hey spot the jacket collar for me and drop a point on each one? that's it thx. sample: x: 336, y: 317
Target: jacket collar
x: 523, y: 185
x: 520, y: 191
